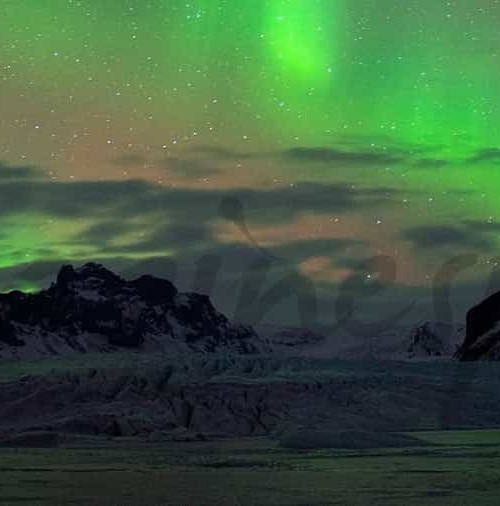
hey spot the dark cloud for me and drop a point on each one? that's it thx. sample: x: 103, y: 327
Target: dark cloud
x: 134, y: 198
x: 329, y: 155
x: 486, y: 155
x: 179, y: 219
x: 283, y: 203
x: 9, y: 173
x: 430, y: 163
x: 131, y: 160
x: 172, y: 237
x: 105, y: 232
x: 360, y: 150
x: 189, y: 168
x: 386, y: 143
x: 458, y: 237
x: 76, y: 199
x: 301, y: 250
x: 223, y: 153
x: 489, y: 227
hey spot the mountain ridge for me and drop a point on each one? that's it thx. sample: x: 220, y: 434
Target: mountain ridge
x: 90, y: 308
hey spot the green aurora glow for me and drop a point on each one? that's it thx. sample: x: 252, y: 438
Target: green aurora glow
x: 83, y: 83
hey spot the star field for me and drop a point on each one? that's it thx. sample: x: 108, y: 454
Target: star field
x: 347, y: 129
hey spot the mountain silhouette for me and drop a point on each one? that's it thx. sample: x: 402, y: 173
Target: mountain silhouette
x: 90, y: 308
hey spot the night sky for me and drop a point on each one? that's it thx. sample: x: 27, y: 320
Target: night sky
x: 150, y: 134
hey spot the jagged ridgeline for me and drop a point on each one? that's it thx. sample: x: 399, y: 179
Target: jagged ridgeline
x: 482, y: 339
x: 90, y: 308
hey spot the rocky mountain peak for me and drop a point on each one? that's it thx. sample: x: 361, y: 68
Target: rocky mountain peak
x: 91, y: 304
x: 90, y: 275
x: 482, y: 339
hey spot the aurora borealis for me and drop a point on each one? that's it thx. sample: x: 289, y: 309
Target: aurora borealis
x: 347, y: 128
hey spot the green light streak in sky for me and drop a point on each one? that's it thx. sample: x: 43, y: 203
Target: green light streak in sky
x: 423, y: 74
x: 260, y: 76
x: 302, y: 44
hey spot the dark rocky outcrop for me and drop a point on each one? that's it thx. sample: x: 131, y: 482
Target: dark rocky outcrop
x: 482, y: 339
x: 92, y: 307
x: 431, y: 339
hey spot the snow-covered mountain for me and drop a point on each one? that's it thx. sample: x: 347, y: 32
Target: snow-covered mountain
x: 91, y: 309
x: 425, y: 340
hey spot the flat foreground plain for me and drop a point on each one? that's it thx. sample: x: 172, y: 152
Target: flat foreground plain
x: 458, y: 467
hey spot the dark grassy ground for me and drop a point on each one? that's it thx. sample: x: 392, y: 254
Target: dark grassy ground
x: 459, y: 468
